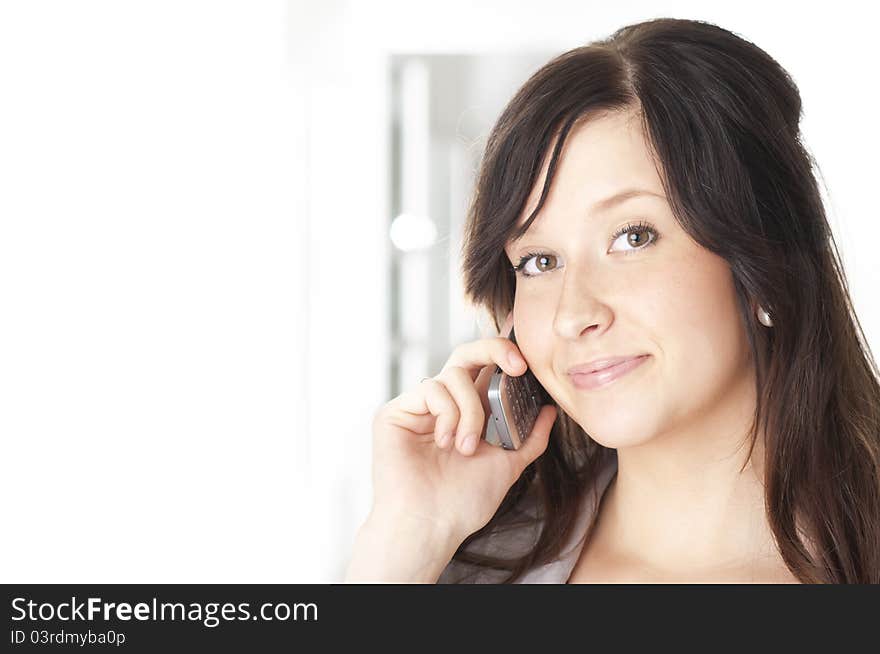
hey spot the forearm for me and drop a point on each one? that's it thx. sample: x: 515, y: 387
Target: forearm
x: 399, y: 550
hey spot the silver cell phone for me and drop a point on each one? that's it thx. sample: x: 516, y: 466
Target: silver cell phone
x: 515, y: 403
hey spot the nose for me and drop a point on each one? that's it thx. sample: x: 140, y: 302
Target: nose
x: 579, y: 310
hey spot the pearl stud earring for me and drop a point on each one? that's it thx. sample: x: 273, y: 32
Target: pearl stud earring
x: 764, y: 317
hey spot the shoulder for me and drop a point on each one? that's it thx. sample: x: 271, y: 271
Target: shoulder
x: 517, y: 541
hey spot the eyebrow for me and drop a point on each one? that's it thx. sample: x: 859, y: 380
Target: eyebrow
x: 622, y: 196
x: 618, y: 198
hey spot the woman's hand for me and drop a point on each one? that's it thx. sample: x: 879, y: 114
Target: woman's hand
x: 432, y: 468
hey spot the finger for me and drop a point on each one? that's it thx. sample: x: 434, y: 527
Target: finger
x: 472, y: 416
x: 431, y: 397
x: 537, y: 440
x: 475, y: 355
x: 393, y: 415
x: 443, y: 405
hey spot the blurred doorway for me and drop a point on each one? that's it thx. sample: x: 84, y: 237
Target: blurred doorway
x: 442, y: 109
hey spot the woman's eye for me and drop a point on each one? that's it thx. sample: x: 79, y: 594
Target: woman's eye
x: 536, y: 264
x: 636, y: 238
x: 542, y: 263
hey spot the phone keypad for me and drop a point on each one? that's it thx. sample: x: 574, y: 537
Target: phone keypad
x: 524, y: 402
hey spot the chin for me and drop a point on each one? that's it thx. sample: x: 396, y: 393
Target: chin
x: 617, y: 441
x: 616, y: 429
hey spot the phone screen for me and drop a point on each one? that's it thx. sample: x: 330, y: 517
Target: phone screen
x: 515, y: 403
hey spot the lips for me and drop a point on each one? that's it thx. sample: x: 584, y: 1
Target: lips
x: 601, y: 364
x: 595, y: 379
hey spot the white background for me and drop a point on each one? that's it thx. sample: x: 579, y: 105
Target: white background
x: 193, y: 248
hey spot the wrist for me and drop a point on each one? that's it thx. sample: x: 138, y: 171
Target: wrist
x: 400, y: 548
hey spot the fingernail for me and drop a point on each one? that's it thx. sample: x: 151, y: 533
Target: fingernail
x: 515, y: 360
x: 469, y: 444
x: 444, y: 440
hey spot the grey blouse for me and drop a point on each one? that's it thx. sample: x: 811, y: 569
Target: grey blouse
x: 517, y: 541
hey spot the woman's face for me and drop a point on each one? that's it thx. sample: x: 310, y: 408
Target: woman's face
x: 651, y: 292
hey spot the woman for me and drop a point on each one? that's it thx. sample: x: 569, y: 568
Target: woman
x: 644, y: 201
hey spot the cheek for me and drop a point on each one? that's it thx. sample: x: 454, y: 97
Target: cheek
x: 534, y: 330
x: 531, y: 309
x: 699, y: 325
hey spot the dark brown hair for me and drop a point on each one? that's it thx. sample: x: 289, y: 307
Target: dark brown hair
x: 722, y: 118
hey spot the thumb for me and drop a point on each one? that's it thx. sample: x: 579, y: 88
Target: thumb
x: 538, y: 439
